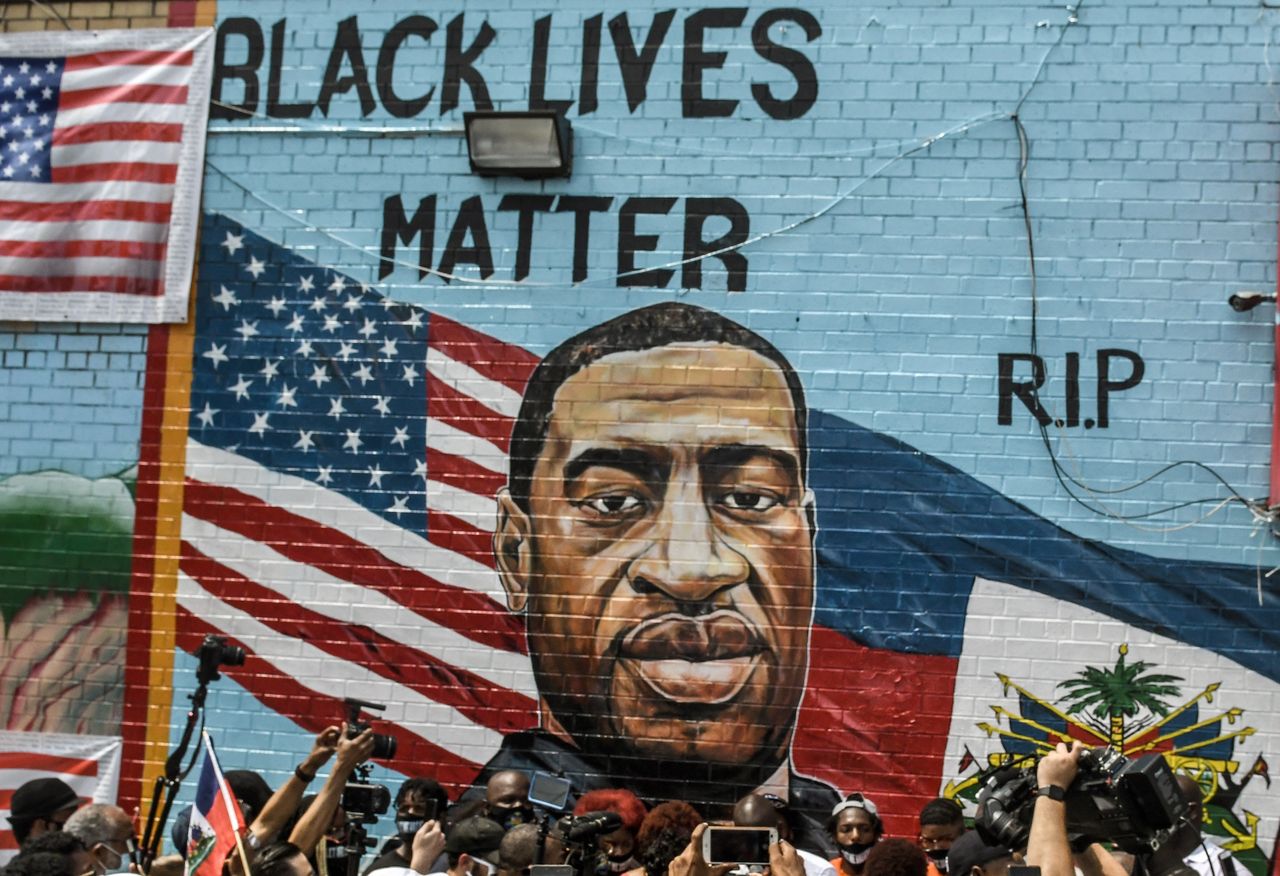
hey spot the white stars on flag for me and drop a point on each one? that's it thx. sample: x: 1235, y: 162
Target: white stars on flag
x: 292, y: 373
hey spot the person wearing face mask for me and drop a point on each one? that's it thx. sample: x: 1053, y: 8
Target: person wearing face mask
x: 941, y: 824
x: 330, y: 856
x: 419, y: 799
x: 506, y: 799
x: 107, y: 832
x: 41, y: 806
x: 316, y: 829
x: 856, y: 827
x: 617, y: 849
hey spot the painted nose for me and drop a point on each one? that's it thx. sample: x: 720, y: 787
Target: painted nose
x: 687, y: 557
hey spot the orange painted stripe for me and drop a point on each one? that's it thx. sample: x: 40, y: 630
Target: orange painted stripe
x: 161, y: 633
x: 166, y: 546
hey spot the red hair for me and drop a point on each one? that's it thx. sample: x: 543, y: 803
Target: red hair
x: 674, y: 815
x: 617, y: 800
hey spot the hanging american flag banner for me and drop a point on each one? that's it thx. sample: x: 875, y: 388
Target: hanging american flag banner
x: 101, y: 158
x: 89, y: 764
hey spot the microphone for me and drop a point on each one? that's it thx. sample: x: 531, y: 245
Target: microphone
x: 593, y: 824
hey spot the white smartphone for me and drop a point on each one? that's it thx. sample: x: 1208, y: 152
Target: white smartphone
x: 737, y: 845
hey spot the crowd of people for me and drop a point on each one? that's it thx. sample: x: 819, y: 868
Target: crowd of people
x: 496, y: 830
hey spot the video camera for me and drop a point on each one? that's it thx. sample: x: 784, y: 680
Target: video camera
x: 578, y: 835
x: 1133, y: 803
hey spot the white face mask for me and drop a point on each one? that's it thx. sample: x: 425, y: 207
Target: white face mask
x: 857, y: 853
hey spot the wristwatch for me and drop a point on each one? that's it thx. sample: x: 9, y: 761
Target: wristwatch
x: 1053, y: 792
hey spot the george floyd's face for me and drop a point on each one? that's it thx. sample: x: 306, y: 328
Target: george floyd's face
x: 666, y: 559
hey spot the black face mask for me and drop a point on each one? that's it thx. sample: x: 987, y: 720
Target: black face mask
x: 509, y: 818
x: 939, y: 858
x: 408, y: 829
x: 621, y: 864
x: 611, y: 865
x: 856, y: 853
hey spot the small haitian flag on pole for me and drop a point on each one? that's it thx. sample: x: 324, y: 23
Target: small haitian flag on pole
x: 216, y: 822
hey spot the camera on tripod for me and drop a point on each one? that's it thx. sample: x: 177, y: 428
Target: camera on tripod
x: 1133, y: 803
x: 213, y: 653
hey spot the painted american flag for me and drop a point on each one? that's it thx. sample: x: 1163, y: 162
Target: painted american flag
x: 342, y: 459
x: 101, y: 158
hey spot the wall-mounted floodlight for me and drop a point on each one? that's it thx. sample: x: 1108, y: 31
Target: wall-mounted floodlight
x: 534, y: 143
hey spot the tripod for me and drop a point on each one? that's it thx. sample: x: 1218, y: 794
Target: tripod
x: 212, y: 653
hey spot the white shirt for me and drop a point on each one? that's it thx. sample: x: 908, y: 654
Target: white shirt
x: 816, y: 866
x: 1210, y: 859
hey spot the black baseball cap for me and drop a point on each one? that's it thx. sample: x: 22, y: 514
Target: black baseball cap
x: 476, y: 836
x: 971, y: 851
x: 40, y: 798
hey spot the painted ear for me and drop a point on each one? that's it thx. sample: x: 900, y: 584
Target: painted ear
x: 511, y: 550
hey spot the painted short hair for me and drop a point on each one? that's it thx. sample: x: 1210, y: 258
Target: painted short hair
x: 647, y: 328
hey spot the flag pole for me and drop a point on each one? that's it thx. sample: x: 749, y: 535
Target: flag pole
x: 244, y: 858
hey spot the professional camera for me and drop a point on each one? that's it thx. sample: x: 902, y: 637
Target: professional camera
x: 1133, y: 803
x: 365, y: 801
x: 578, y: 835
x: 362, y: 800
x: 384, y: 747
x: 213, y: 653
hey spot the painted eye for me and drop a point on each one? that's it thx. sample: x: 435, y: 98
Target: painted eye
x: 612, y: 503
x: 747, y: 500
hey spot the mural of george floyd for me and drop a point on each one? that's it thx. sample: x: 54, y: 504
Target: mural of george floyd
x: 862, y: 412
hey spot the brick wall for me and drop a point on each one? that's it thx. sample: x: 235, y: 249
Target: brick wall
x: 25, y: 15
x: 71, y: 397
x: 868, y: 158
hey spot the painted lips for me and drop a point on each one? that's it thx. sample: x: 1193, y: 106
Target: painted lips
x: 707, y: 659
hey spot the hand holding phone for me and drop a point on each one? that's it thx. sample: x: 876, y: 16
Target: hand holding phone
x: 738, y: 845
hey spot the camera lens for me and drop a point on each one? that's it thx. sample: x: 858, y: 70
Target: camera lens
x: 230, y: 655
x: 384, y: 747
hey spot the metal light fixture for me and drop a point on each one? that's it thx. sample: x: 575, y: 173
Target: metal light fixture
x: 531, y: 144
x: 1244, y: 301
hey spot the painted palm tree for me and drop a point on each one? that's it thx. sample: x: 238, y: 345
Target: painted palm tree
x: 1123, y: 691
